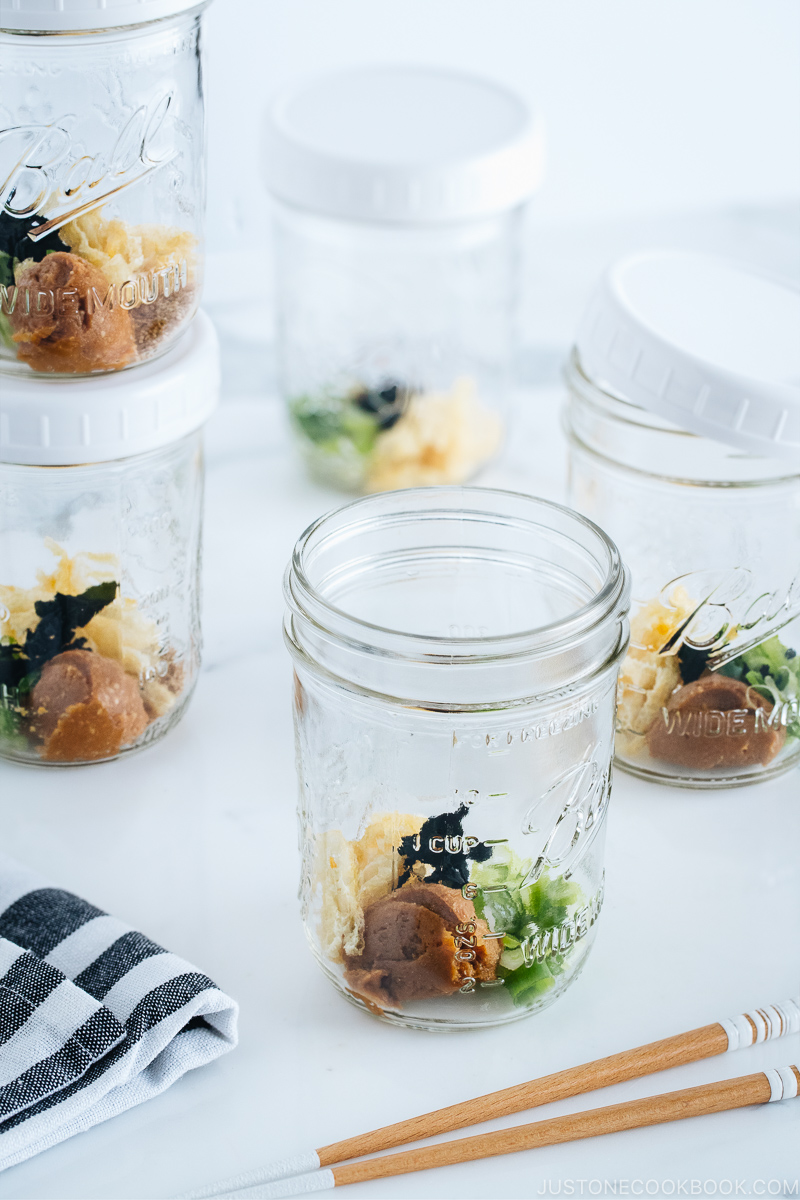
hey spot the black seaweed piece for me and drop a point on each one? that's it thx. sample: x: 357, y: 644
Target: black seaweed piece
x: 692, y: 661
x: 14, y: 240
x: 450, y: 868
x: 58, y: 620
x: 386, y: 404
x: 13, y: 666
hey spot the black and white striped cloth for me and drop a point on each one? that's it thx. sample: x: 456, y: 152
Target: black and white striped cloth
x: 94, y: 1017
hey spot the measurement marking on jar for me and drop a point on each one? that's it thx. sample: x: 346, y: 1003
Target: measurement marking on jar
x: 473, y: 796
x: 146, y: 526
x: 447, y: 844
x: 156, y: 597
x: 501, y: 742
x: 466, y: 948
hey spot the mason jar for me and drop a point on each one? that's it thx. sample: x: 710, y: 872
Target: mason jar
x: 456, y: 653
x: 102, y: 182
x: 683, y: 419
x: 397, y: 208
x: 101, y: 486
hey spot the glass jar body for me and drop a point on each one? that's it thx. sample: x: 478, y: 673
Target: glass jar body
x: 382, y: 784
x: 452, y: 846
x: 99, y: 604
x: 710, y: 690
x: 102, y: 145
x: 395, y: 345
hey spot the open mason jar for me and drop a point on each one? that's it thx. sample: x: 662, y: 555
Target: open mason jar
x: 102, y: 182
x: 398, y: 195
x: 101, y: 485
x: 684, y: 426
x: 456, y: 654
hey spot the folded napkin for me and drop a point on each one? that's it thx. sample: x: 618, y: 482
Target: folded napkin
x: 94, y: 1017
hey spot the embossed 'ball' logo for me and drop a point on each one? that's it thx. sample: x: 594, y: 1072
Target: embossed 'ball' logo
x: 566, y: 818
x: 44, y: 173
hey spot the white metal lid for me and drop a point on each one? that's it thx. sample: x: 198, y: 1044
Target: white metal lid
x: 60, y: 422
x: 709, y: 344
x: 404, y: 144
x: 75, y: 16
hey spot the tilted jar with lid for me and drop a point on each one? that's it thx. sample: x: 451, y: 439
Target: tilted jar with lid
x: 456, y: 654
x: 101, y: 484
x: 684, y: 426
x: 398, y: 193
x: 102, y: 181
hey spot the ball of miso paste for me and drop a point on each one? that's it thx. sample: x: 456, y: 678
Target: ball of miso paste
x: 65, y: 320
x: 85, y: 707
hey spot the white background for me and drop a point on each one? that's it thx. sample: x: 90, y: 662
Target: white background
x: 651, y: 106
x: 669, y: 122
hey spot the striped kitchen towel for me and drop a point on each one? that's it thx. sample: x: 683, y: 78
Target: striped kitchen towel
x: 94, y: 1017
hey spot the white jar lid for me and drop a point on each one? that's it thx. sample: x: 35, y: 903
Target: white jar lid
x: 406, y: 144
x: 707, y: 343
x: 76, y: 16
x: 58, y: 422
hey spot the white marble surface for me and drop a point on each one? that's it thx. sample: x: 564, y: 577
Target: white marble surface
x: 194, y: 843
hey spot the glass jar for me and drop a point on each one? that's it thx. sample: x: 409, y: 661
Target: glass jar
x: 102, y: 183
x: 456, y: 653
x: 100, y: 556
x: 709, y: 693
x: 397, y: 217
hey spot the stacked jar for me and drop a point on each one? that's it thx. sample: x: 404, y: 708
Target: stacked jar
x: 684, y: 424
x: 397, y: 199
x: 102, y: 164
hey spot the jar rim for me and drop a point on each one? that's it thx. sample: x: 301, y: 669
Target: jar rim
x: 79, y: 18
x: 577, y: 377
x: 604, y: 400
x: 306, y: 602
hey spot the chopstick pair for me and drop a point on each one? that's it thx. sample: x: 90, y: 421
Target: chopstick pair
x: 317, y: 1170
x: 760, y: 1088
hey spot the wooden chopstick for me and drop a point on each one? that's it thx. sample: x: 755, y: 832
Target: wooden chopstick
x: 757, y: 1026
x: 674, y: 1051
x: 760, y: 1088
x: 603, y: 1072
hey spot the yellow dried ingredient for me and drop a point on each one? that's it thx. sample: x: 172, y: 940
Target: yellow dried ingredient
x: 122, y: 251
x: 350, y: 875
x: 341, y: 920
x: 119, y: 631
x: 71, y: 577
x: 442, y: 437
x: 647, y: 678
